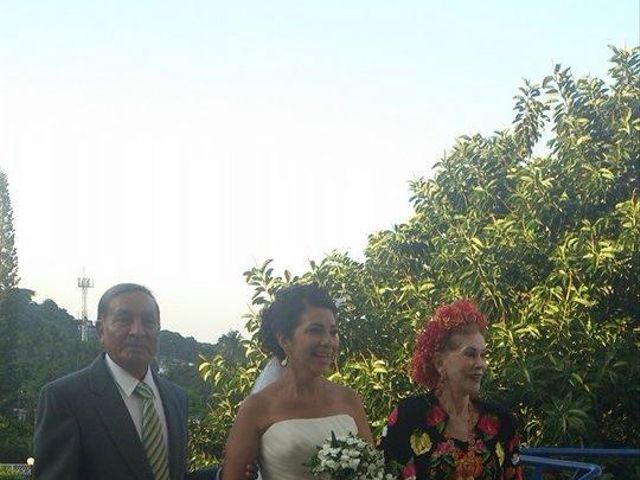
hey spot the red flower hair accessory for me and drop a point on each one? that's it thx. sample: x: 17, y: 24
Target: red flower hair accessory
x: 446, y: 319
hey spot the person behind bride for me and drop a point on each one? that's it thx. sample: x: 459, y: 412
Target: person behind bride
x: 282, y: 424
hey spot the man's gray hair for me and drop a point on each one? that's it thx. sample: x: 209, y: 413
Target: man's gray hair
x: 110, y: 294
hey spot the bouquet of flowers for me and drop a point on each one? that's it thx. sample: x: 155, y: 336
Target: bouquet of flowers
x: 349, y: 458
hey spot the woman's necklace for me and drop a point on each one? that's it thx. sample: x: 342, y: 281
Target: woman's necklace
x: 471, y: 423
x: 467, y: 464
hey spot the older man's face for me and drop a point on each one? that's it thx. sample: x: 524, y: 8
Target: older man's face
x: 129, y: 332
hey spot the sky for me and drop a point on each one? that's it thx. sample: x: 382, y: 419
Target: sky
x: 178, y: 144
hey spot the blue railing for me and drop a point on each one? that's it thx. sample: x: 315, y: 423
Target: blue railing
x: 586, y: 471
x: 537, y: 458
x: 582, y: 452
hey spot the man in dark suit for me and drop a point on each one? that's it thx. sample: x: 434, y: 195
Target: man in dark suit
x: 115, y: 419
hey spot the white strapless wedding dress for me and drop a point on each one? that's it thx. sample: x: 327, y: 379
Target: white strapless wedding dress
x: 289, y: 444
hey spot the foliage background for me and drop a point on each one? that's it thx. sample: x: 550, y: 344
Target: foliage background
x: 545, y: 239
x: 540, y: 224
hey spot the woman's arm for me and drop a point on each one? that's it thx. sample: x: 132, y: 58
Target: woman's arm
x: 512, y: 467
x: 243, y: 442
x: 395, y: 438
x: 359, y: 415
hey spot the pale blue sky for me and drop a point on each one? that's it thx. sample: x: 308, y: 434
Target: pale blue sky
x: 172, y: 143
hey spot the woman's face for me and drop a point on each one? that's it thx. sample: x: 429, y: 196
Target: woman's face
x: 314, y: 342
x: 464, y: 364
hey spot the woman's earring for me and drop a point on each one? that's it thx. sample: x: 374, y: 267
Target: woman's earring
x: 285, y: 361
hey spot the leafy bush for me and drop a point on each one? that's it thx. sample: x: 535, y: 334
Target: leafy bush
x: 15, y: 440
x: 10, y: 474
x: 549, y: 246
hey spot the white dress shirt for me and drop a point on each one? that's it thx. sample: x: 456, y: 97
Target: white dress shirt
x: 126, y: 385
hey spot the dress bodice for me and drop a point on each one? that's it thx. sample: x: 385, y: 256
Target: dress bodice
x: 289, y: 444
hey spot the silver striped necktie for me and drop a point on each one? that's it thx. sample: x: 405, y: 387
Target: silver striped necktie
x: 152, y: 438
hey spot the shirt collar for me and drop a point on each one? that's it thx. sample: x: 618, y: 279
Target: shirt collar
x: 124, y: 379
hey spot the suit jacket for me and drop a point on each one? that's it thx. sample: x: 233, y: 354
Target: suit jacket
x: 84, y: 431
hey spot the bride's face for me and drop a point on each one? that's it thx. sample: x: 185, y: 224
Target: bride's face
x: 314, y: 342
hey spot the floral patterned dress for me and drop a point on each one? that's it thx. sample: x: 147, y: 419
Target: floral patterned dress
x: 415, y: 439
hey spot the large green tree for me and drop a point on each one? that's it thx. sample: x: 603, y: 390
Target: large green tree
x: 8, y: 283
x: 8, y: 254
x: 546, y: 238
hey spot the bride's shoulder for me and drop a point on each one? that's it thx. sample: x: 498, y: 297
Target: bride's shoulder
x: 257, y: 404
x: 257, y: 409
x: 343, y: 392
x: 265, y: 400
x: 264, y: 397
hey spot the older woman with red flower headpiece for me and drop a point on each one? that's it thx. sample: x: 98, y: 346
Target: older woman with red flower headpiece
x: 447, y: 432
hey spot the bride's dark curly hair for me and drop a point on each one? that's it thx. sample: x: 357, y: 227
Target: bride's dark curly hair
x: 283, y: 315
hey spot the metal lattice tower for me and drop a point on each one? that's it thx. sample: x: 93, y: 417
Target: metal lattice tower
x: 84, y: 283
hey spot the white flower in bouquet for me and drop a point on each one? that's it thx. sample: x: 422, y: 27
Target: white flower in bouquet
x: 348, y: 458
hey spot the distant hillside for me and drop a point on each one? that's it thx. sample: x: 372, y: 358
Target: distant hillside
x: 49, y: 346
x: 175, y: 346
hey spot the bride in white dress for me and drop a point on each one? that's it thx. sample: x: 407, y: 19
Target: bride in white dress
x: 282, y: 424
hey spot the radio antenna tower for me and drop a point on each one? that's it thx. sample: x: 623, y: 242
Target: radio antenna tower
x: 84, y: 283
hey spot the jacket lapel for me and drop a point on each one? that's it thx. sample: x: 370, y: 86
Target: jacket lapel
x: 116, y: 419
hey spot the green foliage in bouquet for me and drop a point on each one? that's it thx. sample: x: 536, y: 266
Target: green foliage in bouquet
x: 546, y: 238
